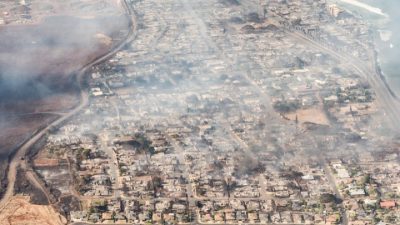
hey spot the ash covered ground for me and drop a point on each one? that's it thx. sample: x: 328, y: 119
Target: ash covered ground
x: 41, y: 50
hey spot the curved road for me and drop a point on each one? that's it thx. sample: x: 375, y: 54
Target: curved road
x: 84, y: 100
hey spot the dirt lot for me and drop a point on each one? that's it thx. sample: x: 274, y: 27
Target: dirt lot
x: 20, y: 212
x: 25, y: 187
x: 312, y: 115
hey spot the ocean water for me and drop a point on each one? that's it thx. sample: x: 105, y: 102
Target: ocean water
x: 387, y: 36
x: 389, y: 50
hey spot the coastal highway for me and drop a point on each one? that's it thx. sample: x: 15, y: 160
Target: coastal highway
x: 388, y: 102
x: 16, y: 161
x: 367, y: 70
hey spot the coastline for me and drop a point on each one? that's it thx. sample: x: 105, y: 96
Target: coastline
x: 382, y: 76
x: 367, y: 7
x: 383, y: 36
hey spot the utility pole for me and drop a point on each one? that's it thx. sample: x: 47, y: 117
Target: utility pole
x: 261, y: 8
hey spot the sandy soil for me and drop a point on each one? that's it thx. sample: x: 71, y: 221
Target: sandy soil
x: 313, y: 115
x: 45, y: 162
x: 20, y: 212
x: 359, y: 109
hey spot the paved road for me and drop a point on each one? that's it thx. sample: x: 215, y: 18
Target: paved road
x: 387, y: 101
x: 21, y: 152
x: 84, y: 100
x: 333, y: 184
x: 114, y: 173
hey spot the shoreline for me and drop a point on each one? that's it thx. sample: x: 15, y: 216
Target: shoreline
x: 376, y: 25
x: 382, y: 75
x: 365, y: 6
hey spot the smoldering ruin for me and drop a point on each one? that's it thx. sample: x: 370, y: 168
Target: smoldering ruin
x: 39, y: 60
